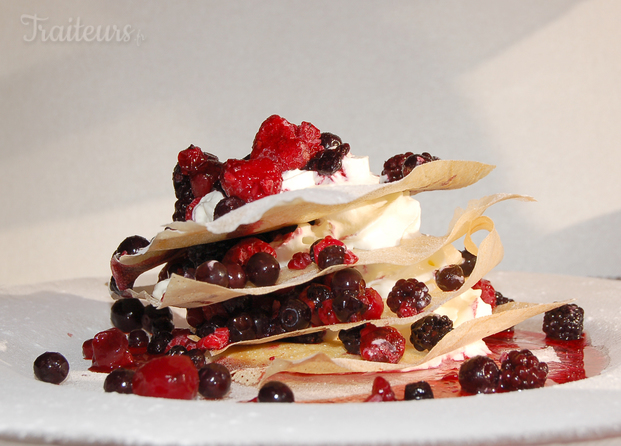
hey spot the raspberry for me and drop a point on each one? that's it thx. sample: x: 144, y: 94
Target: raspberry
x: 215, y: 341
x: 326, y: 312
x: 193, y: 160
x: 520, y: 370
x: 181, y: 338
x: 381, y: 391
x: 290, y: 146
x: 488, y: 293
x: 428, y: 331
x: 374, y: 304
x: 242, y: 252
x: 479, y: 374
x: 173, y: 377
x: 408, y: 297
x: 111, y: 350
x: 321, y: 244
x: 300, y: 260
x: 564, y: 323
x: 251, y: 179
x: 381, y: 344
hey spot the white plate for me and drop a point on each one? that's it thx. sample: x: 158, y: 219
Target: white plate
x: 60, y: 316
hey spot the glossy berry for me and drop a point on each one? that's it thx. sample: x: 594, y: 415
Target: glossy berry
x: 51, y: 367
x: 214, y: 381
x: 241, y: 328
x: 330, y: 140
x: 328, y: 162
x: 414, y: 161
x: 381, y: 344
x: 469, y: 261
x: 111, y: 350
x: 227, y: 205
x: 520, y: 370
x: 348, y: 307
x: 320, y: 244
x: 348, y: 279
x: 393, y: 167
x: 176, y: 350
x: 450, y: 278
x: 159, y: 343
x: 213, y: 272
x: 151, y: 314
x: 243, y: 250
x: 479, y: 374
x: 351, y: 339
x: 119, y: 381
x: 197, y: 357
x: 237, y: 275
x: 294, y: 315
x: 408, y: 297
x: 330, y: 256
x: 173, y: 377
x: 488, y: 293
x: 381, y: 391
x: 429, y: 330
x: 137, y: 341
x: 275, y: 392
x: 420, y: 390
x: 251, y: 179
x: 131, y: 245
x: 262, y: 269
x: 126, y: 314
x: 501, y: 299
x: 564, y: 323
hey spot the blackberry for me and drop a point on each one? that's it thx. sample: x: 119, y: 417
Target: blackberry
x: 564, y: 323
x: 450, y: 277
x: 408, y: 297
x: 520, y: 370
x: 414, y: 161
x: 501, y: 299
x: 427, y: 332
x: 393, y: 167
x: 328, y: 162
x: 420, y: 390
x: 330, y: 140
x: 479, y: 374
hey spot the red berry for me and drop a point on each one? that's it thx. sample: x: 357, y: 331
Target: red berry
x: 326, y: 313
x: 181, y: 337
x: 216, y: 340
x: 242, y: 252
x: 189, y: 210
x: 300, y: 260
x: 173, y: 377
x: 381, y: 391
x: 374, y: 303
x: 488, y: 293
x: 289, y: 145
x: 87, y: 349
x: 111, y: 350
x: 321, y: 244
x: 381, y: 344
x: 251, y: 179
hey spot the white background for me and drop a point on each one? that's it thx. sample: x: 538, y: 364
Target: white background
x: 89, y: 131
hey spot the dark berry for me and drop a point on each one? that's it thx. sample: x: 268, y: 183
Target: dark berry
x: 564, y: 323
x: 328, y: 162
x: 275, y: 392
x: 177, y: 350
x: 159, y: 342
x: 263, y: 269
x: 151, y: 314
x: 197, y: 357
x: 330, y: 140
x: 227, y: 205
x: 51, y: 367
x: 316, y: 337
x: 420, y: 390
x: 521, y: 370
x: 214, y: 272
x: 137, y: 341
x: 119, y: 381
x: 381, y: 344
x: 131, y: 245
x: 414, y: 161
x: 348, y: 279
x: 195, y: 316
x: 469, y: 262
x: 330, y: 256
x: 126, y: 314
x: 450, y: 278
x: 214, y: 381
x: 393, y: 167
x: 351, y: 339
x: 167, y: 377
x: 427, y: 331
x: 237, y: 305
x: 501, y: 299
x: 408, y: 297
x: 237, y: 275
x: 162, y: 324
x: 294, y: 315
x: 87, y: 349
x: 479, y: 374
x: 346, y: 305
x: 241, y: 328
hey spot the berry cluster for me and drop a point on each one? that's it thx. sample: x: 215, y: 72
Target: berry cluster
x: 400, y: 166
x: 382, y: 391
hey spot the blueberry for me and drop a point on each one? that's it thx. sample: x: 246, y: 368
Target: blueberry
x: 51, y: 367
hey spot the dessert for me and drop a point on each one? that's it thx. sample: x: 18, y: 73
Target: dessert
x: 298, y: 261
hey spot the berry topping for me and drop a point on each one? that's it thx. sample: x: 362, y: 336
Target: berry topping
x: 479, y: 374
x: 348, y: 307
x: 381, y: 344
x: 450, y: 278
x: 408, y: 297
x: 420, y: 390
x: 87, y: 349
x: 351, y: 339
x: 251, y: 179
x: 299, y: 260
x: 194, y: 161
x: 275, y: 392
x: 564, y: 323
x: 289, y: 145
x: 111, y: 350
x: 137, y: 341
x: 411, y: 162
x: 197, y: 357
x: 151, y: 314
x: 217, y: 340
x: 294, y: 315
x: 326, y: 313
x: 51, y: 367
x: 167, y: 377
x: 399, y: 166
x: 126, y: 314
x: 214, y: 272
x: 427, y: 331
x: 501, y: 299
x: 488, y: 293
x: 328, y: 162
x: 373, y: 302
x: 469, y: 261
x: 131, y: 245
x: 227, y: 205
x: 159, y: 343
x: 330, y: 140
x: 520, y: 370
x: 262, y: 269
x: 330, y: 256
x: 246, y: 248
x: 119, y: 381
x: 237, y: 275
x: 321, y: 244
x: 348, y: 279
x: 241, y: 328
x: 381, y: 391
x: 214, y: 381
